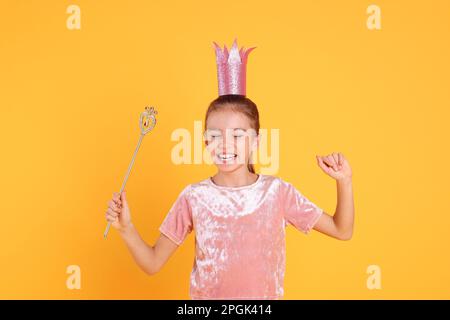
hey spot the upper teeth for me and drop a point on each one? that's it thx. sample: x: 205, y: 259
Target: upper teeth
x: 227, y: 156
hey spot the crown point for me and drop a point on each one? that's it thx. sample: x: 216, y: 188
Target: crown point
x: 246, y: 53
x: 225, y: 51
x: 234, y: 56
x: 219, y: 54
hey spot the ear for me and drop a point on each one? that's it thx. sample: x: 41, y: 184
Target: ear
x: 206, y: 141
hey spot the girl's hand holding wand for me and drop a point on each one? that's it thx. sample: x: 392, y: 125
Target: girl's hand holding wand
x: 118, y: 212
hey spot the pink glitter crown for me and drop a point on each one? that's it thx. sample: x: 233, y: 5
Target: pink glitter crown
x: 231, y: 69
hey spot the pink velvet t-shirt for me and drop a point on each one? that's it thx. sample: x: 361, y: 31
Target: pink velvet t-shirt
x: 239, y: 235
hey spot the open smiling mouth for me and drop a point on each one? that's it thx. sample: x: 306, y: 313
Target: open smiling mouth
x: 226, y: 156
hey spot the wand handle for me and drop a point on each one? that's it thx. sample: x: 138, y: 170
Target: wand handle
x: 105, y: 234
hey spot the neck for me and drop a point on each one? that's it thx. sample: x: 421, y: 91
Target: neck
x: 238, y: 178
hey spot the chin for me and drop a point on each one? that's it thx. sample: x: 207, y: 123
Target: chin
x: 228, y: 167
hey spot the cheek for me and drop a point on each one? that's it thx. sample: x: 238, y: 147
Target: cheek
x: 211, y: 146
x: 243, y: 147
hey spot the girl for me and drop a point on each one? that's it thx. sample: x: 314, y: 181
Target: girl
x: 239, y: 216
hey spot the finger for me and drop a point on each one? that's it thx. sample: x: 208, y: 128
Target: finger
x: 340, y: 158
x: 335, y: 158
x: 116, y: 196
x: 327, y: 161
x: 116, y: 210
x: 110, y: 218
x: 117, y: 202
x: 333, y: 163
x: 114, y: 206
x: 109, y: 215
x: 112, y: 213
x: 322, y: 164
x: 123, y: 197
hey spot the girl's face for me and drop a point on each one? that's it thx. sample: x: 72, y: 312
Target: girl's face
x: 230, y: 139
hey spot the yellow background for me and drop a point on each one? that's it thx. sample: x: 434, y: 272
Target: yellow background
x: 70, y: 101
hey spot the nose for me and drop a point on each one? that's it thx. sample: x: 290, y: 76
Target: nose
x: 227, y: 148
x: 226, y: 145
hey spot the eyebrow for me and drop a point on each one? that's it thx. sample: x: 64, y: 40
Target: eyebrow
x: 214, y: 129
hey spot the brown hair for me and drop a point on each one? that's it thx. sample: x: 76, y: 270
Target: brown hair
x: 237, y: 103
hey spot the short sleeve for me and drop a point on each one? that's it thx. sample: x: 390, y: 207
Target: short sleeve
x: 178, y: 222
x: 297, y: 209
